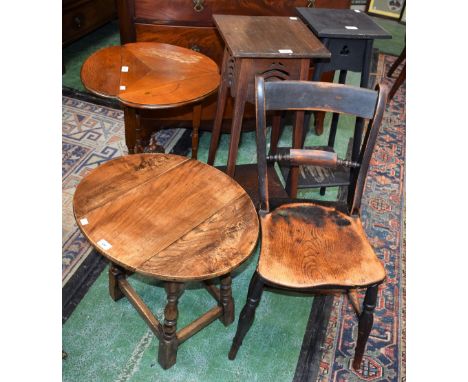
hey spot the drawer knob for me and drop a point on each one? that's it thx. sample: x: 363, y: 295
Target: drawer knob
x: 77, y: 20
x: 195, y: 48
x: 198, y: 5
x: 310, y: 3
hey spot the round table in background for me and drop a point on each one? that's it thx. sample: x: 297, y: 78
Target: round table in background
x: 171, y: 218
x: 151, y: 75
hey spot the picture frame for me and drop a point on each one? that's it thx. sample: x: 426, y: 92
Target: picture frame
x: 403, y: 15
x: 391, y: 9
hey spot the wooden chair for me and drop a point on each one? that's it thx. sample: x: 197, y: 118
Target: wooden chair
x: 401, y: 77
x: 310, y: 246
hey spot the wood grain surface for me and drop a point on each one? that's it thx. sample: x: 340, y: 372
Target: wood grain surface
x: 266, y: 36
x: 100, y: 73
x: 167, y: 216
x: 305, y: 245
x: 159, y: 75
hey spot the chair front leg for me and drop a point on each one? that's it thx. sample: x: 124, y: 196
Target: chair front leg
x: 366, y: 319
x: 247, y: 314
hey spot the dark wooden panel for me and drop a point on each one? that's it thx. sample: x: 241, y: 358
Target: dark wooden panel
x: 81, y: 17
x: 183, y: 11
x: 287, y: 95
x: 205, y: 40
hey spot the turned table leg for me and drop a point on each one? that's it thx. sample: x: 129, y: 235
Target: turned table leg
x: 196, y: 121
x: 168, y: 342
x: 130, y: 122
x: 226, y: 300
x: 115, y: 272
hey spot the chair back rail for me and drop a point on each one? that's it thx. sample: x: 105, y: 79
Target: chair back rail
x: 318, y: 96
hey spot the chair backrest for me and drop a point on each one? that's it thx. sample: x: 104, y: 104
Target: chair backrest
x: 320, y: 96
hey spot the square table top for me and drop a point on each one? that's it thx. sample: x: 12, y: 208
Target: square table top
x: 342, y: 23
x: 269, y: 37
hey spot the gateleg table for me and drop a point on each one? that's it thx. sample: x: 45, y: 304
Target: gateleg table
x: 173, y: 219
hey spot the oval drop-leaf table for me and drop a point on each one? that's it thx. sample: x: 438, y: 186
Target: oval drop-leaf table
x: 172, y: 218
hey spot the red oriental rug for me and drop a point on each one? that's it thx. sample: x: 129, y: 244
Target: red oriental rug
x: 384, y: 201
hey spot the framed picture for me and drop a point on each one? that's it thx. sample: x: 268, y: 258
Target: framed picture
x: 392, y: 9
x: 403, y: 15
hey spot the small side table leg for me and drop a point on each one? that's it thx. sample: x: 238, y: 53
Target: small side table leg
x: 320, y: 115
x: 293, y: 175
x: 358, y: 130
x: 316, y: 76
x: 115, y: 272
x: 139, y: 134
x: 334, y: 122
x: 226, y: 300
x: 222, y: 98
x: 298, y: 127
x: 276, y: 130
x: 238, y: 114
x: 168, y: 343
x: 196, y: 121
x: 130, y: 122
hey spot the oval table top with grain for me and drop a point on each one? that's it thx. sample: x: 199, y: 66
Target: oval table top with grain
x: 150, y: 75
x: 166, y: 216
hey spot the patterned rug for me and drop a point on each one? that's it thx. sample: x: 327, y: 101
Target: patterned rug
x: 91, y: 135
x: 383, y: 219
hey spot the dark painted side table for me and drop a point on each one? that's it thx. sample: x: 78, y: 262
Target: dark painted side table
x: 349, y: 35
x: 269, y: 45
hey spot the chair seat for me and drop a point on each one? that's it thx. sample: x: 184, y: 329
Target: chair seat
x: 306, y: 245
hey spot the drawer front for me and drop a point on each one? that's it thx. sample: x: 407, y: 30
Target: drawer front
x: 205, y: 40
x: 199, y: 12
x: 86, y: 16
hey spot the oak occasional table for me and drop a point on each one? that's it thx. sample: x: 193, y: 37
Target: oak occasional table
x: 150, y: 75
x: 269, y: 45
x: 174, y: 219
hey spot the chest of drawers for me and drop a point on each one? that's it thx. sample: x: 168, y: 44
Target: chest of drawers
x: 79, y: 17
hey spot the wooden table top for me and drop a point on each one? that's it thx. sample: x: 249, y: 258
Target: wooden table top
x: 269, y: 36
x: 166, y: 216
x: 342, y: 23
x: 150, y: 75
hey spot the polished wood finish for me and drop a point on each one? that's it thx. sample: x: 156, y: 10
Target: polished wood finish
x: 309, y: 246
x: 182, y: 11
x: 159, y: 75
x: 171, y: 218
x: 274, y: 46
x: 151, y: 76
x: 80, y: 17
x: 189, y: 24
